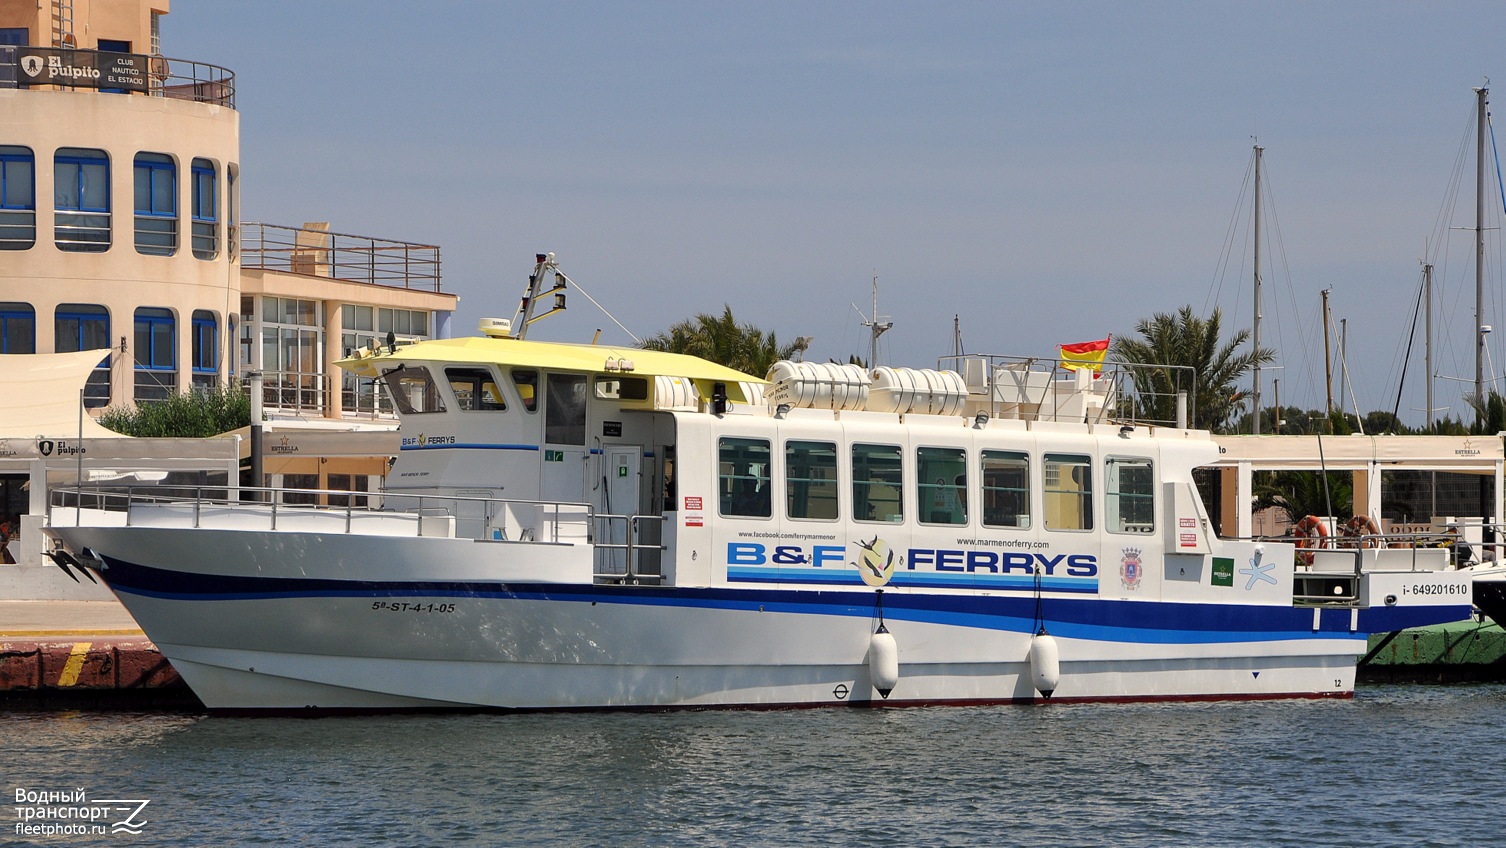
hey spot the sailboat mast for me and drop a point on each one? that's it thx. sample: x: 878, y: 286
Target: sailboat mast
x: 1427, y: 335
x: 1256, y: 335
x: 1481, y: 104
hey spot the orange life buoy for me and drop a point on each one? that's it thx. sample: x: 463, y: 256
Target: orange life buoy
x: 1360, y: 527
x: 1310, y: 533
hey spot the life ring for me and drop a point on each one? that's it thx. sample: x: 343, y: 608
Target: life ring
x: 1310, y: 533
x: 1358, y: 528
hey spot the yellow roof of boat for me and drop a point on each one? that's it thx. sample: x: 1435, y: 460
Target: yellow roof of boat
x: 553, y: 356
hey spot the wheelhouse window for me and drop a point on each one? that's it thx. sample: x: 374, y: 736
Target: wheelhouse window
x: 475, y: 389
x: 565, y: 415
x: 1129, y: 494
x: 156, y: 360
x: 156, y: 204
x: 1006, y: 489
x: 743, y: 477
x: 81, y: 199
x: 810, y: 480
x: 413, y: 390
x: 622, y: 388
x: 18, y: 328
x: 18, y: 198
x: 205, y: 349
x: 877, y: 483
x: 1069, y: 491
x: 86, y: 326
x: 527, y: 384
x: 205, y: 210
x: 941, y: 478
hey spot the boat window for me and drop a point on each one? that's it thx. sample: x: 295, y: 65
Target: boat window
x: 622, y: 388
x: 877, y: 480
x: 1006, y: 489
x: 743, y: 477
x: 565, y: 416
x: 941, y: 478
x: 413, y: 390
x: 1069, y: 492
x: 810, y: 479
x: 526, y: 383
x: 1129, y: 492
x: 475, y: 389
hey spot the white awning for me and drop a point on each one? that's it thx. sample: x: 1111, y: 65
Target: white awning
x: 43, y: 394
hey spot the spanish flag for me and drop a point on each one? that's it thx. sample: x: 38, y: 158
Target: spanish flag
x: 1085, y: 355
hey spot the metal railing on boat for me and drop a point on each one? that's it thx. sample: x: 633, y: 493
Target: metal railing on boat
x: 627, y: 549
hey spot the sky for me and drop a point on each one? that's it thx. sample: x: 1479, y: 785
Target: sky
x: 1032, y: 174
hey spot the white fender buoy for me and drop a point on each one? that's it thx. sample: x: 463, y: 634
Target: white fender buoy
x: 1045, y: 663
x: 883, y: 661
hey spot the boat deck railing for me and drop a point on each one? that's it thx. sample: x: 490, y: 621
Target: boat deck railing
x: 626, y: 548
x: 1329, y: 569
x: 1045, y: 389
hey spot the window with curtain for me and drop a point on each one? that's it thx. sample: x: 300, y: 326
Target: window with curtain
x: 81, y: 199
x: 156, y: 179
x: 18, y: 198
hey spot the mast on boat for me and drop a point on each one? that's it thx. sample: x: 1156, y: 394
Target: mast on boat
x: 1256, y: 335
x: 1427, y: 335
x: 877, y: 326
x: 1481, y: 116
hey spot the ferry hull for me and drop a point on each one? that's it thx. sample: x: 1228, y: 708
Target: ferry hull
x: 256, y: 621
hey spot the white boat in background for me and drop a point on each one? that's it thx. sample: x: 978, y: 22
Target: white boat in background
x: 577, y: 526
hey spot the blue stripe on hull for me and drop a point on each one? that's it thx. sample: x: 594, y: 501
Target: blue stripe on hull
x: 1146, y: 622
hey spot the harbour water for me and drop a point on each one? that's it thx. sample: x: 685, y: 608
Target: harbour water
x: 1397, y: 765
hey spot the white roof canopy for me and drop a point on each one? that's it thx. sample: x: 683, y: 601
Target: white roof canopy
x: 43, y: 393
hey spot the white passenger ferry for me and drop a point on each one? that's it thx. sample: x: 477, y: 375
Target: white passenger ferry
x: 579, y: 526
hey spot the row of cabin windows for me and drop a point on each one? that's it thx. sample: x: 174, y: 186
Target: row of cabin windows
x: 943, y: 485
x: 82, y: 206
x: 86, y: 326
x: 477, y: 388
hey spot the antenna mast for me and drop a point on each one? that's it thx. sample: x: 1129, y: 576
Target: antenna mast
x: 877, y: 326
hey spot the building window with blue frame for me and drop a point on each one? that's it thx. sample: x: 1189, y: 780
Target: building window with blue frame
x: 86, y: 326
x: 18, y: 328
x: 156, y: 204
x: 156, y: 362
x: 18, y: 198
x: 205, y: 350
x: 205, y: 210
x: 81, y: 199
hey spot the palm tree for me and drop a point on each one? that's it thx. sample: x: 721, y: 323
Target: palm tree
x: 1191, y: 342
x: 722, y: 340
x: 1302, y: 493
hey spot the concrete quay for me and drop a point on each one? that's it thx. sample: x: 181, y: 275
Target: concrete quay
x: 82, y: 655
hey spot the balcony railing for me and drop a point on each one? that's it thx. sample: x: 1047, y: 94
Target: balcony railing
x: 127, y: 73
x: 339, y: 256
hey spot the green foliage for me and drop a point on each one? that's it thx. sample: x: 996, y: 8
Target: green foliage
x: 1490, y: 414
x: 1301, y: 493
x: 722, y: 340
x: 1186, y: 340
x: 200, y: 413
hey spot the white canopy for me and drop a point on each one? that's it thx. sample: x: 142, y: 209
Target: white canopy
x: 42, y: 395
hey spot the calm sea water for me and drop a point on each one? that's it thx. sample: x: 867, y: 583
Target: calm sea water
x: 1398, y: 765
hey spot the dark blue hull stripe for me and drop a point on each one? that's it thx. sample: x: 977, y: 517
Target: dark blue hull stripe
x: 1154, y: 622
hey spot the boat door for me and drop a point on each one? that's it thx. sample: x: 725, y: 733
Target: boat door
x: 564, y: 467
x: 616, y: 498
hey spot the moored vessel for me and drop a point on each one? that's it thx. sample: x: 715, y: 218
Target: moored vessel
x: 573, y: 526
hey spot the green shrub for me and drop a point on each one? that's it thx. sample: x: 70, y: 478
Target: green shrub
x: 200, y: 413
